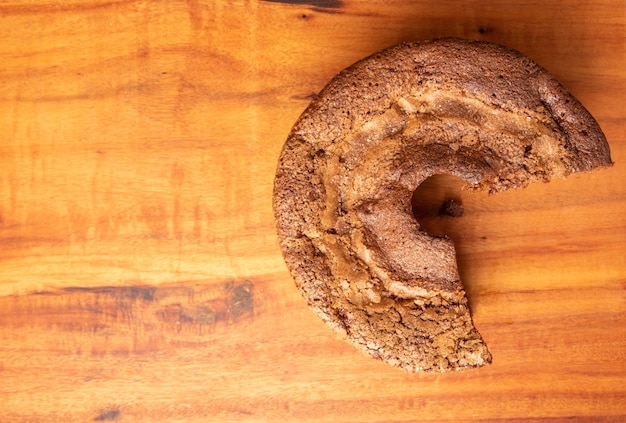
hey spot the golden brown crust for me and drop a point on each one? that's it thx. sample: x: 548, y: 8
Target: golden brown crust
x: 342, y: 195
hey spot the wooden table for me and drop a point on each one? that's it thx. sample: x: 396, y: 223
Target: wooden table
x: 140, y: 275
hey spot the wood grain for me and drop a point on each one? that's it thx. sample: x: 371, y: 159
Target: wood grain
x: 140, y: 276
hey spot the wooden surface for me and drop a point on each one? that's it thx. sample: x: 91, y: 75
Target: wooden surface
x: 140, y: 276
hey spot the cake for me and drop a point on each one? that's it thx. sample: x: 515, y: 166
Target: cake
x: 346, y: 174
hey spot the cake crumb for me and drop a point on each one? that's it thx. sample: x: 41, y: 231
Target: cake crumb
x: 452, y: 208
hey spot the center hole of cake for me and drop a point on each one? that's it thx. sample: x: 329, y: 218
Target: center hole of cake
x: 436, y: 203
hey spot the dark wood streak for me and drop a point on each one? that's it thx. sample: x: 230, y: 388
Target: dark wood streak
x: 130, y: 319
x: 107, y: 415
x: 321, y: 4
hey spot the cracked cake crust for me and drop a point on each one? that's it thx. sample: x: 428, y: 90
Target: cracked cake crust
x: 347, y: 172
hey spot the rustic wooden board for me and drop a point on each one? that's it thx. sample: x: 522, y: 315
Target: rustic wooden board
x: 140, y: 276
